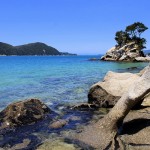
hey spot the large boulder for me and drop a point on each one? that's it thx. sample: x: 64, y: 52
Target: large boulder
x: 108, y: 92
x: 23, y: 112
x: 128, y: 52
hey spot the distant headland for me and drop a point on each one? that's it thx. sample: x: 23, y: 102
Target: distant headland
x: 36, y: 48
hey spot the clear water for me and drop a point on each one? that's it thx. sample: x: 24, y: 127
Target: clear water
x: 53, y: 79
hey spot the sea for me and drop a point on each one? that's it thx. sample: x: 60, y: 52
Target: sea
x: 54, y: 79
x: 58, y: 81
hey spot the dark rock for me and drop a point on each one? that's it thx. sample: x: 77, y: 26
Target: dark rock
x: 94, y: 59
x: 23, y: 113
x: 85, y: 106
x: 74, y: 118
x: 132, y: 68
x: 100, y: 97
x: 58, y: 124
x: 107, y: 92
x: 23, y: 145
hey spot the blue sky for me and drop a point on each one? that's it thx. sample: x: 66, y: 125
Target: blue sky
x: 76, y: 26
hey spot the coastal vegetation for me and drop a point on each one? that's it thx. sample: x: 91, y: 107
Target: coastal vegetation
x: 132, y: 33
x: 37, y: 48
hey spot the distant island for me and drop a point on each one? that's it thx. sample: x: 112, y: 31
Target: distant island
x: 36, y: 48
x: 129, y: 45
x: 147, y: 52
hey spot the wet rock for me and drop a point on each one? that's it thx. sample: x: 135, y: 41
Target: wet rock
x: 56, y: 145
x: 58, y: 124
x: 85, y: 106
x: 74, y: 118
x: 23, y: 113
x: 22, y: 145
x: 132, y: 68
x: 94, y: 59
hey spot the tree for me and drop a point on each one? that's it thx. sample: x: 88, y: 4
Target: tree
x: 122, y: 37
x: 132, y: 33
x: 136, y: 29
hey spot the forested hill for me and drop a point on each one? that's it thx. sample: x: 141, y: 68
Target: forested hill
x: 29, y: 49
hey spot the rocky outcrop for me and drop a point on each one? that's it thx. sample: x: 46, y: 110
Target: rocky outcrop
x: 106, y: 133
x: 23, y: 113
x: 128, y: 52
x: 143, y: 59
x: 114, y: 85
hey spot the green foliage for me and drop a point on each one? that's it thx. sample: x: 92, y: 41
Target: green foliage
x: 136, y: 29
x: 122, y: 37
x: 37, y: 49
x: 132, y: 33
x: 30, y: 49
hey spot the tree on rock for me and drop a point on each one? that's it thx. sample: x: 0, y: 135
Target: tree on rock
x: 132, y: 33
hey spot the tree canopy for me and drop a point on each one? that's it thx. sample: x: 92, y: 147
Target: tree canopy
x: 132, y: 33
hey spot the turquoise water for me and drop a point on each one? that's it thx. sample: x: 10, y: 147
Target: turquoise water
x: 53, y: 79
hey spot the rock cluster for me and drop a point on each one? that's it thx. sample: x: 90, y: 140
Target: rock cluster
x: 23, y: 113
x: 114, y: 131
x: 128, y: 52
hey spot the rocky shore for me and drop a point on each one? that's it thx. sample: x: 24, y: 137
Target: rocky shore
x: 31, y: 124
x: 127, y: 52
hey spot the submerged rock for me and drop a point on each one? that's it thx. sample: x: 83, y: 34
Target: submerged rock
x: 23, y: 113
x: 23, y: 145
x: 56, y: 145
x: 94, y: 59
x: 84, y: 106
x: 58, y: 124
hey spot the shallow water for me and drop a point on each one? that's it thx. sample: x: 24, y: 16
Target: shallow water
x: 53, y: 79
